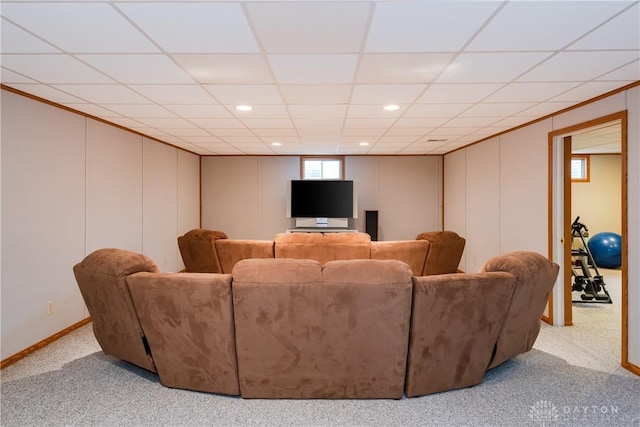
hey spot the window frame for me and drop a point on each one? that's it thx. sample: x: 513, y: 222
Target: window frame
x: 587, y: 167
x: 322, y: 158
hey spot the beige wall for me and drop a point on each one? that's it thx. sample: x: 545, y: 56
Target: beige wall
x: 518, y: 182
x: 246, y: 196
x: 71, y: 185
x: 599, y: 201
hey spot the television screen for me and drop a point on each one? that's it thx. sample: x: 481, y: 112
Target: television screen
x: 321, y: 199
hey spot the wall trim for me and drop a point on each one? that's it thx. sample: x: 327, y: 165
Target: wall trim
x: 45, y: 342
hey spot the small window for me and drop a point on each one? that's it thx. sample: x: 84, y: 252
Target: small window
x: 322, y: 167
x: 580, y: 168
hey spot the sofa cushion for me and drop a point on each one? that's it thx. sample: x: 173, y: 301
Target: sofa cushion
x: 413, y: 252
x: 231, y: 251
x: 303, y: 331
x: 535, y: 277
x: 188, y: 321
x: 455, y: 323
x: 323, y: 247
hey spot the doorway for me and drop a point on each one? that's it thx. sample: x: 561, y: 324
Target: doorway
x: 561, y: 143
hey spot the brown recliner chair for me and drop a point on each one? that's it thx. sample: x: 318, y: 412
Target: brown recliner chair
x: 445, y: 252
x: 198, y: 250
x: 535, y: 277
x: 101, y: 277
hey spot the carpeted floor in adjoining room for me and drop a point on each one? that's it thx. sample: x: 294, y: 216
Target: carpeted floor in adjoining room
x: 571, y: 378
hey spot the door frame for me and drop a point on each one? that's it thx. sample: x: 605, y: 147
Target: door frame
x: 560, y: 308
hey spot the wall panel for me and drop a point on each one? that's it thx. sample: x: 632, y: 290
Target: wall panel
x: 43, y: 220
x: 188, y: 196
x: 114, y: 188
x: 275, y: 172
x: 455, y: 196
x: 160, y: 203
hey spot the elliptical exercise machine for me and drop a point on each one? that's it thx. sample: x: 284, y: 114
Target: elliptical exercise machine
x: 582, y: 263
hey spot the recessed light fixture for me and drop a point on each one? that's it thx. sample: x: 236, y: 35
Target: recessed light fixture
x: 276, y: 143
x: 244, y: 107
x: 364, y: 143
x: 391, y: 107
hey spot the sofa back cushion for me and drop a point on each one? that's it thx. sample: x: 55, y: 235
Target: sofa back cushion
x: 445, y: 252
x: 535, y: 277
x: 198, y: 250
x: 101, y: 277
x: 188, y: 321
x: 231, y: 251
x: 304, y: 331
x: 455, y: 324
x: 323, y: 247
x: 412, y: 252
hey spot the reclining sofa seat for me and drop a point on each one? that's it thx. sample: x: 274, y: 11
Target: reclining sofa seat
x: 101, y: 277
x: 198, y: 250
x: 445, y: 252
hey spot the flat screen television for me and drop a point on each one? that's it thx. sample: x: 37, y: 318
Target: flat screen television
x: 322, y: 199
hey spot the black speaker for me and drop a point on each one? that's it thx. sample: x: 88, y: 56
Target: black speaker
x: 371, y: 224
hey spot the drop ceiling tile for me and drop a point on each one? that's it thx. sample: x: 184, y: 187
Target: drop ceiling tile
x: 209, y: 139
x: 144, y: 69
x: 385, y: 94
x: 9, y: 77
x: 412, y: 122
x: 313, y: 69
x: 213, y: 124
x: 586, y: 91
x: 383, y: 68
x: 448, y: 133
x: 52, y: 68
x: 284, y: 140
x: 320, y: 132
x: 226, y: 69
x: 313, y: 27
x: 140, y: 110
x: 13, y: 39
x: 184, y: 133
x: 579, y: 66
x: 622, y: 32
x: 79, y: 27
x: 261, y: 112
x: 92, y: 110
x: 104, y: 94
x: 363, y: 132
x: 268, y: 123
x: 541, y: 25
x: 490, y: 67
x: 317, y: 111
x: 368, y: 123
x: 529, y: 92
x: 408, y: 131
x: 514, y: 121
x: 238, y: 141
x: 497, y: 109
x: 126, y: 122
x: 357, y: 111
x: 276, y: 133
x: 457, y: 93
x: 543, y: 109
x: 232, y: 132
x: 398, y: 140
x: 245, y: 94
x: 175, y: 123
x: 469, y: 122
x: 318, y: 123
x: 175, y: 94
x: 426, y: 26
x: 435, y: 110
x: 628, y: 73
x: 194, y: 27
x: 315, y: 94
x: 47, y: 92
x: 199, y: 111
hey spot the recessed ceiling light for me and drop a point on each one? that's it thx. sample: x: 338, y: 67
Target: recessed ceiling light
x: 391, y: 107
x: 244, y: 107
x: 364, y: 143
x: 276, y: 143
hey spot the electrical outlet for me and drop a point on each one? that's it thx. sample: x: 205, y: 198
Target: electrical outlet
x: 49, y: 307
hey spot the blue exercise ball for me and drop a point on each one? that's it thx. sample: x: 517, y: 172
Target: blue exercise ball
x: 606, y: 249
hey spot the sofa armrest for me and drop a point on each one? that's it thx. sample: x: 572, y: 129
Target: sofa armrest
x: 412, y: 252
x: 454, y: 327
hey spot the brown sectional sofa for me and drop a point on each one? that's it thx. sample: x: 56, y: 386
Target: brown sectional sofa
x: 210, y: 251
x: 294, y: 328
